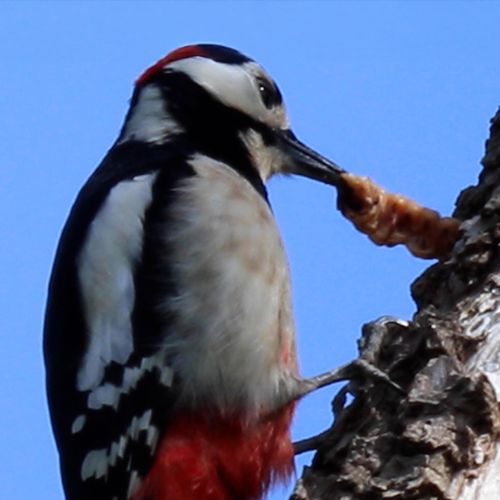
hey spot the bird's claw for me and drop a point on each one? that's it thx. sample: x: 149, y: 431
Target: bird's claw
x: 357, y: 369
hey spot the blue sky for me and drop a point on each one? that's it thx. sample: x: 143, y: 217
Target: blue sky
x: 400, y: 91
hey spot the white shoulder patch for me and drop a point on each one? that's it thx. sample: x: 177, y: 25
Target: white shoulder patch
x: 105, y: 271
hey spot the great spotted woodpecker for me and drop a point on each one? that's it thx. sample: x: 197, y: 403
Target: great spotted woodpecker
x: 169, y: 336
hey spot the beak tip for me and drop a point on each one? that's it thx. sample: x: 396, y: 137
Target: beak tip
x: 308, y: 162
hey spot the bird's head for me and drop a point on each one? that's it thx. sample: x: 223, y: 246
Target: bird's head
x: 226, y: 105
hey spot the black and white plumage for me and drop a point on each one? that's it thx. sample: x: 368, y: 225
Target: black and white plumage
x: 170, y: 288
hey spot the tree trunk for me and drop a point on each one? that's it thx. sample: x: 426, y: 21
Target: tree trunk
x: 438, y: 437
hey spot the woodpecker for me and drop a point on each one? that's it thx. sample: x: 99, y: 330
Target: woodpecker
x: 169, y: 338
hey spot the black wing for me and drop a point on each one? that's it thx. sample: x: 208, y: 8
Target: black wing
x: 107, y: 435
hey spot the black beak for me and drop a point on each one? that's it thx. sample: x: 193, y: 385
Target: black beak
x: 304, y: 161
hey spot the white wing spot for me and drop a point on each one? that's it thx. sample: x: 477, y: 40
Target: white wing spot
x: 109, y: 394
x: 104, y: 395
x: 167, y: 376
x: 117, y: 450
x: 152, y: 439
x: 97, y: 462
x: 139, y: 424
x: 133, y: 484
x: 78, y: 424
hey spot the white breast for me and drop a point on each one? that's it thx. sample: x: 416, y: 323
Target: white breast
x: 234, y: 339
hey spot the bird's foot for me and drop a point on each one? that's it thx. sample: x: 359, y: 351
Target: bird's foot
x: 375, y: 335
x: 354, y: 370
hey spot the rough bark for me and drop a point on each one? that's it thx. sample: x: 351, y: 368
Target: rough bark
x: 438, y: 437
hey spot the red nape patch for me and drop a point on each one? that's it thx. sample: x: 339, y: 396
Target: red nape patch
x: 175, y: 55
x: 220, y: 459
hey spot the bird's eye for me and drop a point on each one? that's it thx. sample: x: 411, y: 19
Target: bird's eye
x: 268, y: 93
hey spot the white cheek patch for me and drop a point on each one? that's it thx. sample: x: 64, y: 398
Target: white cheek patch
x: 105, y: 271
x: 233, y: 85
